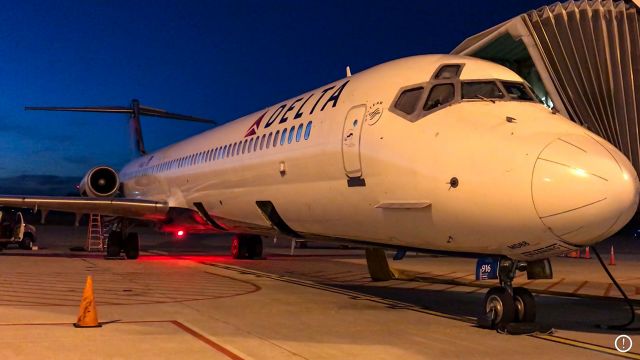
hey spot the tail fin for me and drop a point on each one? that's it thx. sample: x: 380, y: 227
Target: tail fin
x: 135, y: 111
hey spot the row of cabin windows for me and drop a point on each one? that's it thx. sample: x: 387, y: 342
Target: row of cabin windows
x: 256, y: 143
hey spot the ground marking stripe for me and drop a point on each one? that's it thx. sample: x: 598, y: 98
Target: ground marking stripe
x: 221, y: 349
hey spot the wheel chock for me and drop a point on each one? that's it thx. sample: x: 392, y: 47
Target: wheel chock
x: 379, y: 268
x: 88, y: 316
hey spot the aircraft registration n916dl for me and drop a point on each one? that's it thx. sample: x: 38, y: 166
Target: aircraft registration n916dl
x: 433, y: 153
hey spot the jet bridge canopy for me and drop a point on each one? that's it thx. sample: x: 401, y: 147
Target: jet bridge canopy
x: 581, y: 57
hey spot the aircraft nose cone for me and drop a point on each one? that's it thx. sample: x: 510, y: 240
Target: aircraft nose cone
x: 584, y: 190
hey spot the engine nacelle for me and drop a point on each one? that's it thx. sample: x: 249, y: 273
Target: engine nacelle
x: 101, y: 181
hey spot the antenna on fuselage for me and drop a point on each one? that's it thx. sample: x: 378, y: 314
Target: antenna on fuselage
x: 348, y: 71
x: 135, y: 110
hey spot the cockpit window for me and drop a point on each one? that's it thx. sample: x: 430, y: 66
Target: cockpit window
x: 439, y: 95
x: 517, y: 91
x: 408, y: 100
x: 481, y: 90
x: 448, y: 72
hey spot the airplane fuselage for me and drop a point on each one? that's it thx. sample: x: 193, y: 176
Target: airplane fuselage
x: 496, y: 176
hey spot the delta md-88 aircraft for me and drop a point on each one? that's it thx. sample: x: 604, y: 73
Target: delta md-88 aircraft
x: 433, y: 153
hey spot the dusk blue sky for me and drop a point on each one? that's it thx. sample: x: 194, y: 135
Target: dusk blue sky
x: 214, y: 59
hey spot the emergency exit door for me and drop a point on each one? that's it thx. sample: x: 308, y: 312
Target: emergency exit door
x: 351, y: 136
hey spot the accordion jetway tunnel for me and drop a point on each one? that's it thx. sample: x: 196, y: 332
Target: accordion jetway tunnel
x: 582, y: 58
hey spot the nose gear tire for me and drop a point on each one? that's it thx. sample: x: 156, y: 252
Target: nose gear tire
x: 499, y: 307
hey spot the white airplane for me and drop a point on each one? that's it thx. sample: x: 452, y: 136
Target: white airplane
x: 433, y: 153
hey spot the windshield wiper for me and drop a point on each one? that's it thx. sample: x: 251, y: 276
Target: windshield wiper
x: 485, y: 99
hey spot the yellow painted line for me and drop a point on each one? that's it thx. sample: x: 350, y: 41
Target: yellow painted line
x: 588, y: 346
x: 608, y: 290
x: 577, y: 290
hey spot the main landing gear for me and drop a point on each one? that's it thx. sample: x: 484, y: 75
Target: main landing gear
x: 246, y: 247
x: 504, y: 304
x: 120, y: 241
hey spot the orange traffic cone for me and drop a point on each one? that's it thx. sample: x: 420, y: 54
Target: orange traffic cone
x: 587, y: 254
x: 88, y: 316
x: 612, y: 257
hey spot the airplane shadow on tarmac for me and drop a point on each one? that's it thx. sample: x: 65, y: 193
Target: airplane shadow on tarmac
x: 562, y: 313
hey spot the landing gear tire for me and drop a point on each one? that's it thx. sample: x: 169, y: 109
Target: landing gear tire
x: 238, y: 248
x: 132, y: 246
x: 525, y: 305
x: 114, y: 244
x: 499, y: 307
x: 255, y: 247
x: 27, y: 242
x: 246, y: 247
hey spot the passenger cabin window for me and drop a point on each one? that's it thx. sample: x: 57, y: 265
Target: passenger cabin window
x: 439, y: 95
x: 481, y: 90
x: 291, y: 134
x: 307, y: 131
x: 408, y: 100
x: 299, y: 133
x: 284, y: 136
x: 448, y: 72
x: 517, y: 91
x: 276, y: 138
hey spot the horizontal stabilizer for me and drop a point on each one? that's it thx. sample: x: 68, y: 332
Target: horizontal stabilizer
x: 135, y: 111
x: 143, y: 110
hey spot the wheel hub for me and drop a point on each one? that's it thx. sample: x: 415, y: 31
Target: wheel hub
x: 494, y: 305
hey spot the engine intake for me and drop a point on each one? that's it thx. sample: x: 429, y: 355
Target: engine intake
x: 101, y: 181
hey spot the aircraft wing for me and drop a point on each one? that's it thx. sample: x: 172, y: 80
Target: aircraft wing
x: 131, y: 208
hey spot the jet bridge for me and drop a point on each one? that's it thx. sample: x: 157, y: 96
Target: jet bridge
x: 582, y: 58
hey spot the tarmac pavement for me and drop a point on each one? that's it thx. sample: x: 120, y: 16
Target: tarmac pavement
x: 189, y: 299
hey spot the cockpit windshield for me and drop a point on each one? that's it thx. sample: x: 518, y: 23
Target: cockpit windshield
x: 445, y: 88
x: 517, y: 91
x: 497, y: 90
x: 481, y: 90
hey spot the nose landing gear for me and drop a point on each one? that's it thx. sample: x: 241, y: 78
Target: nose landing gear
x: 504, y: 304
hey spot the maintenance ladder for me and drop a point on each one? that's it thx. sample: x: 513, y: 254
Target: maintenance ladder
x: 94, y: 234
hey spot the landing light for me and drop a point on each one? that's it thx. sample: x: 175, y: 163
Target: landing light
x: 180, y: 234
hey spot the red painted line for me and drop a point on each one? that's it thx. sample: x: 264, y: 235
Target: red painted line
x: 580, y: 287
x: 554, y: 284
x: 608, y: 290
x: 440, y: 275
x: 228, y: 353
x: 447, y: 288
x: 463, y: 276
